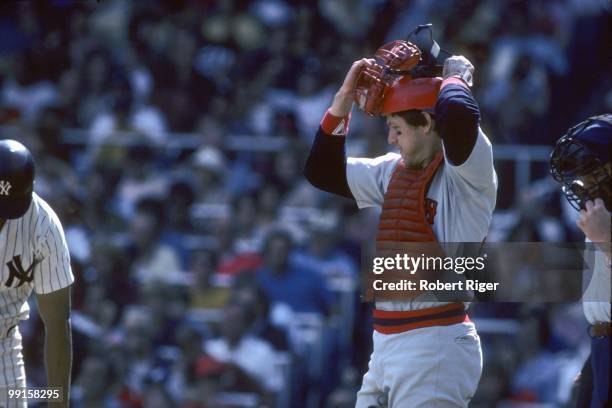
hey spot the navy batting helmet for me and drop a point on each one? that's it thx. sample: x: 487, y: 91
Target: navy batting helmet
x: 581, y: 162
x: 16, y: 179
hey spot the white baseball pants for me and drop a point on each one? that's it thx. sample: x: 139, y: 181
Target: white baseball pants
x: 431, y: 367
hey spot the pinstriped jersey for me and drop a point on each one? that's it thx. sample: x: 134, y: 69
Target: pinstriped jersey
x: 34, y: 256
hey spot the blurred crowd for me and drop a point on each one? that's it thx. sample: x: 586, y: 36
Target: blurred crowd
x: 169, y: 137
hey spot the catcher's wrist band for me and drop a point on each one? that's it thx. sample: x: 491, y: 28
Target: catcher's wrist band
x: 453, y: 80
x: 335, y: 125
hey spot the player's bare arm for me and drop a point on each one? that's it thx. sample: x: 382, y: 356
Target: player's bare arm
x: 54, y: 309
x: 330, y: 151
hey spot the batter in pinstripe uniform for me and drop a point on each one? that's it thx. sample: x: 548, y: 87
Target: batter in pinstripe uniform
x: 34, y: 256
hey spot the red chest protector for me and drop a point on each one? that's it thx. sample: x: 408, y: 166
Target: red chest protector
x: 404, y: 214
x: 406, y: 219
x: 404, y: 223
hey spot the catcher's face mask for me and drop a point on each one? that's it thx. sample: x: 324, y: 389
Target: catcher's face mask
x: 584, y: 173
x: 388, y: 86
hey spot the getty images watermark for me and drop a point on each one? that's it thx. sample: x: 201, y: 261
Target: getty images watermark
x: 422, y: 264
x: 485, y: 272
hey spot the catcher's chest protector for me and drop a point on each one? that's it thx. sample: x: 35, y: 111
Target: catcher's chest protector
x: 404, y: 217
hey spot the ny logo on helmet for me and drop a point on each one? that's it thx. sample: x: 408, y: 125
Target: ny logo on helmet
x: 5, y: 187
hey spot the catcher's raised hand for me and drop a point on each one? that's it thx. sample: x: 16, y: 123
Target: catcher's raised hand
x: 460, y: 67
x: 343, y: 101
x: 594, y: 221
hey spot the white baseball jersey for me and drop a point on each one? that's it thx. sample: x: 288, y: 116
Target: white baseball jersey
x: 597, y: 289
x: 35, y: 257
x: 465, y: 197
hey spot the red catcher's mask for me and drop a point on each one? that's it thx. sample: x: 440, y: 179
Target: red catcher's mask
x: 387, y: 87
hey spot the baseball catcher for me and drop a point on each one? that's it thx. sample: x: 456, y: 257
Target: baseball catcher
x: 439, y: 187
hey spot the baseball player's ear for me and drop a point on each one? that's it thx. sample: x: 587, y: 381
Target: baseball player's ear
x: 430, y: 122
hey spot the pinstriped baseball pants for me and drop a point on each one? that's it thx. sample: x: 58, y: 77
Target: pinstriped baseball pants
x: 12, y: 369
